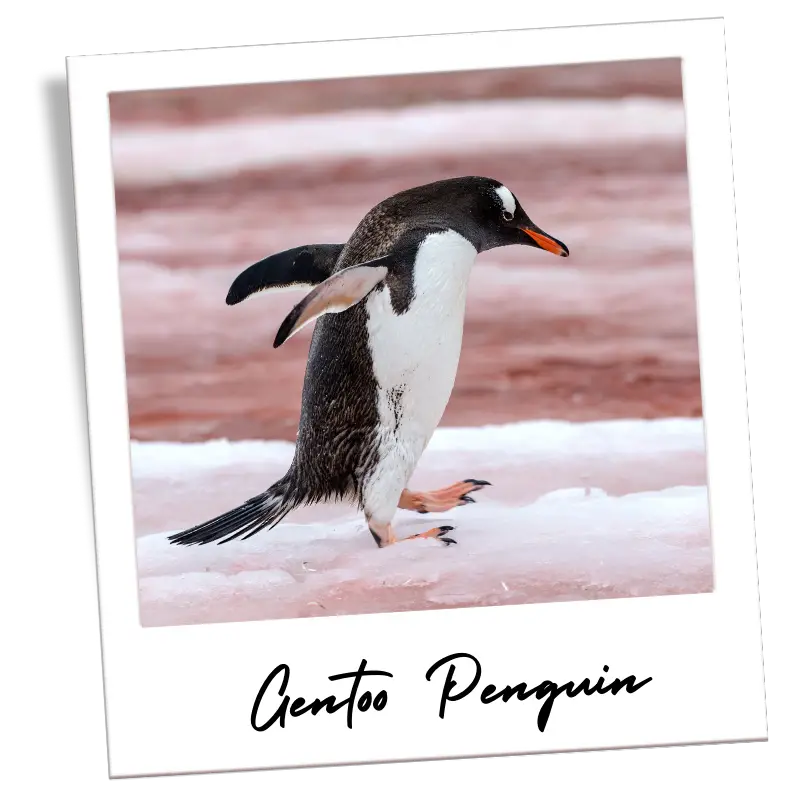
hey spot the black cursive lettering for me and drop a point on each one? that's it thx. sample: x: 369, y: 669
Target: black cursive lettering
x: 280, y: 714
x: 547, y: 691
x: 357, y: 676
x: 299, y: 706
x: 449, y: 683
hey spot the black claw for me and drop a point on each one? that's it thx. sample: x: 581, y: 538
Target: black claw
x: 423, y: 511
x: 466, y: 498
x: 477, y: 482
x: 447, y: 541
x: 445, y: 529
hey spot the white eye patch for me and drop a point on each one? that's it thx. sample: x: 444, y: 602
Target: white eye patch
x: 507, y: 199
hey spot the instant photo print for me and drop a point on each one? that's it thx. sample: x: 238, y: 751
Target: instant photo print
x: 416, y: 398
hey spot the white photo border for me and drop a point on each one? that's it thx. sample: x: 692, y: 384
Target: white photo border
x: 178, y: 699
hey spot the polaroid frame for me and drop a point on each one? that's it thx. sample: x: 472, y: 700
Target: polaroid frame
x: 179, y: 699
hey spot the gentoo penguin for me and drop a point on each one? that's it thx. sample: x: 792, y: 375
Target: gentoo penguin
x: 384, y: 353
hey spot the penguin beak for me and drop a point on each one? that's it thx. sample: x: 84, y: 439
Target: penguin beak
x: 545, y: 241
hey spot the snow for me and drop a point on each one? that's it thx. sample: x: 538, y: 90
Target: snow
x: 147, y: 155
x: 576, y: 511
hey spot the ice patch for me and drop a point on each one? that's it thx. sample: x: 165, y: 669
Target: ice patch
x: 543, y: 439
x: 154, y: 155
x: 568, y: 543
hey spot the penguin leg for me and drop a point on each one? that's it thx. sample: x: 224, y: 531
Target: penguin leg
x: 441, y: 499
x: 382, y: 495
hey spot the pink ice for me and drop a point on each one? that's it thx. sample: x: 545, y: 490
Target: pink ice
x: 575, y: 511
x: 148, y: 155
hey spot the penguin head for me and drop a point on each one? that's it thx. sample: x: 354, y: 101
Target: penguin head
x: 487, y: 213
x: 502, y: 220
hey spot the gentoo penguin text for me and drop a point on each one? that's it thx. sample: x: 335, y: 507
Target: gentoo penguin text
x: 273, y: 704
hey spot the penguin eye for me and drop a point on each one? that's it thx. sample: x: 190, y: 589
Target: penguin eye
x: 508, y: 216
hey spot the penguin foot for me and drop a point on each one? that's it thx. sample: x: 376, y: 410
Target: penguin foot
x: 384, y: 535
x: 442, y: 499
x: 434, y: 533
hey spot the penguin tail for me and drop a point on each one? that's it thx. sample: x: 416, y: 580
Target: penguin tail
x: 265, y: 510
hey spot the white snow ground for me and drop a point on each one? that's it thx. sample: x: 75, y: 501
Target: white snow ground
x: 576, y: 511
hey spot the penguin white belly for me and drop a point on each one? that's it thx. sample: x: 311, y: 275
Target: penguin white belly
x: 415, y: 358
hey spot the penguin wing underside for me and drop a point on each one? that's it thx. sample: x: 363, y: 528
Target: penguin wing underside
x: 338, y: 293
x: 308, y: 265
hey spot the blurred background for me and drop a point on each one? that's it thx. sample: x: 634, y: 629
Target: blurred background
x: 210, y: 180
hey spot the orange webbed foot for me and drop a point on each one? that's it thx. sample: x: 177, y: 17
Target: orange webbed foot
x: 384, y: 535
x: 442, y: 499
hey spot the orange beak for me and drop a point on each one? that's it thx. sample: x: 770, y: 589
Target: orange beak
x: 547, y: 242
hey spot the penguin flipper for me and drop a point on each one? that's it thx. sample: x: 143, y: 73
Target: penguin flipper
x: 308, y: 265
x: 342, y: 290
